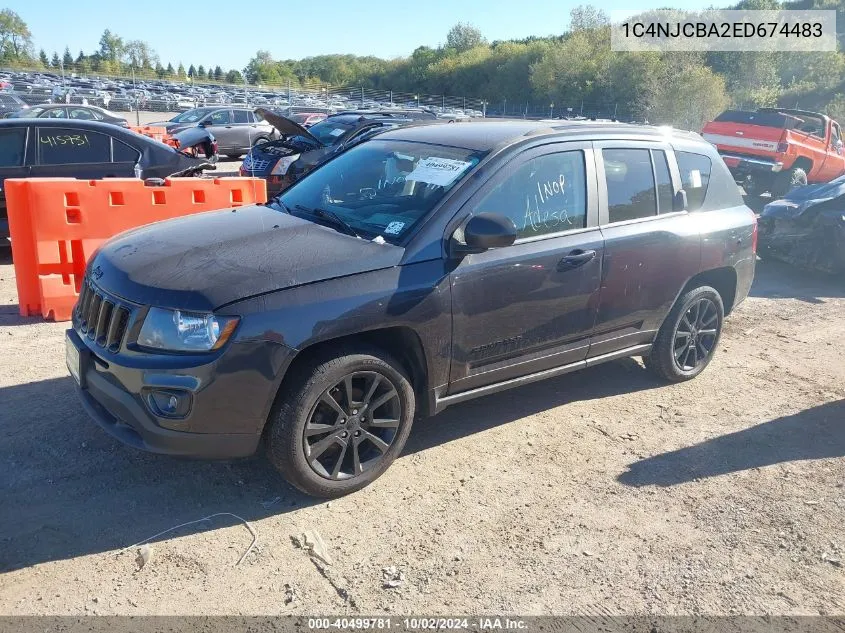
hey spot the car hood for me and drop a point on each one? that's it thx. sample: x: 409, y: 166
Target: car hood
x: 286, y: 126
x: 800, y: 199
x: 201, y: 262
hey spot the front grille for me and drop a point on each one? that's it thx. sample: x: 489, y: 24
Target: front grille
x: 253, y: 164
x: 101, y: 317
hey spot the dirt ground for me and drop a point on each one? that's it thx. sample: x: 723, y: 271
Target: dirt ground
x: 597, y: 493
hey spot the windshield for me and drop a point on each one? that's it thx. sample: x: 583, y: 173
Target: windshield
x: 301, y: 118
x: 192, y: 116
x: 329, y: 131
x: 380, y: 188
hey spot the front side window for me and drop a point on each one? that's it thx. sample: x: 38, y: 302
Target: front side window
x: 12, y: 143
x: 695, y: 176
x: 55, y: 113
x: 630, y: 184
x: 221, y: 117
x: 547, y: 194
x: 381, y: 189
x: 60, y: 146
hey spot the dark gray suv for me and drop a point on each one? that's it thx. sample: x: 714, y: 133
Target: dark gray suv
x: 414, y: 271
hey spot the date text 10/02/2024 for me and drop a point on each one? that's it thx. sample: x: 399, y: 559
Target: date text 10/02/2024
x: 418, y: 624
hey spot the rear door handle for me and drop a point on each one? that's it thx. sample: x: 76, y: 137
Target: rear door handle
x: 575, y: 259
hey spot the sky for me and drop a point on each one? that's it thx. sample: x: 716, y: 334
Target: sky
x: 229, y: 33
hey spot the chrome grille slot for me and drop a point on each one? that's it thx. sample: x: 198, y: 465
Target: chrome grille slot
x: 101, y: 317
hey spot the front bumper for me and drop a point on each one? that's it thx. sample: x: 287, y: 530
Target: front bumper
x: 230, y: 398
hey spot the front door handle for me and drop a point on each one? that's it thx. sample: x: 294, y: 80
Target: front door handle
x: 575, y: 259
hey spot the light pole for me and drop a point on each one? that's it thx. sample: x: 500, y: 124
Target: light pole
x: 417, y: 97
x: 551, y: 110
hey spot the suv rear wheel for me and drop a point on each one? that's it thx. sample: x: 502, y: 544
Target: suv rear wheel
x: 688, y: 337
x: 340, y: 421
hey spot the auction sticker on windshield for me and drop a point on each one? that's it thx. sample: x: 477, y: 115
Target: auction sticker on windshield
x: 438, y: 171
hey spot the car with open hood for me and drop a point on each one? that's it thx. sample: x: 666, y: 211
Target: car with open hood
x: 427, y: 266
x: 299, y: 150
x: 64, y: 148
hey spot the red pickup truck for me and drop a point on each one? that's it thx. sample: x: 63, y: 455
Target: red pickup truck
x: 775, y: 149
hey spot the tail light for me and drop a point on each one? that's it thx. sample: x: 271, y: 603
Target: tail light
x: 214, y: 146
x: 782, y: 147
x: 754, y: 237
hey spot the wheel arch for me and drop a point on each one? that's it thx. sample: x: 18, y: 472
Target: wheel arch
x: 804, y: 163
x: 723, y: 279
x: 400, y: 342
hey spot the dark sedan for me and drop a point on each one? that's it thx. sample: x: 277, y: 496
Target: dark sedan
x: 61, y: 148
x: 70, y: 111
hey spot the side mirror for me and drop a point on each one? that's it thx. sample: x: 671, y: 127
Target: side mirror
x: 680, y: 201
x: 482, y: 232
x: 204, y: 123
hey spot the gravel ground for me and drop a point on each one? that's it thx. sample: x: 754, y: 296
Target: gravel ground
x: 597, y: 493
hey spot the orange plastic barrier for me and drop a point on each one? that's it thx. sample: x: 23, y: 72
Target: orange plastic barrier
x: 57, y: 223
x: 157, y: 133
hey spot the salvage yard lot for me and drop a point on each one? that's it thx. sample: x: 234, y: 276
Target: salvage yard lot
x: 600, y: 492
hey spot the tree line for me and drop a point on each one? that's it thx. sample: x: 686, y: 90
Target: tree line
x: 573, y: 69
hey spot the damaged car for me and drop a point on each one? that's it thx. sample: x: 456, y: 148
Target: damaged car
x: 64, y: 148
x: 281, y: 163
x: 806, y: 228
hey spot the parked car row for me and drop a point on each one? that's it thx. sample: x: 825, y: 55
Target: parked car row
x: 32, y: 88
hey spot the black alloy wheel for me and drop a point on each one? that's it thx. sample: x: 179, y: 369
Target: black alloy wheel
x: 352, y: 425
x: 696, y: 334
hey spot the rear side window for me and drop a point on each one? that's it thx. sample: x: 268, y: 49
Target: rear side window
x: 547, y: 194
x: 695, y: 176
x: 630, y: 184
x: 123, y: 153
x: 12, y: 147
x: 242, y: 116
x: 60, y: 146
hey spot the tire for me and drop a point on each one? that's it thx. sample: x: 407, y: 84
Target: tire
x: 677, y: 363
x: 304, y: 402
x: 787, y: 181
x: 757, y: 186
x: 233, y: 156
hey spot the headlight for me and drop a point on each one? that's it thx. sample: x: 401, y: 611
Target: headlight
x: 281, y: 167
x: 179, y: 331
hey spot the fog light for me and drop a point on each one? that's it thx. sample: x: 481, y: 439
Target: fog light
x: 169, y: 403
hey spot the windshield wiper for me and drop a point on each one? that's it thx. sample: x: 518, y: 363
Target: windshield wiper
x: 332, y: 217
x: 277, y: 202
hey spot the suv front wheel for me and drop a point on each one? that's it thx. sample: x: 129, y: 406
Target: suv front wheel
x: 688, y: 337
x: 340, y: 421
